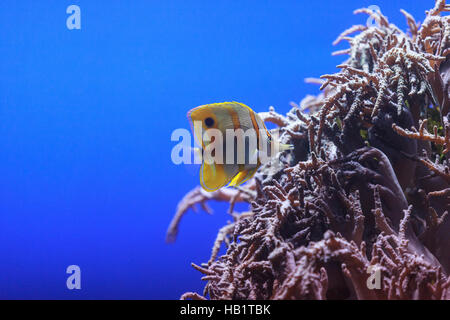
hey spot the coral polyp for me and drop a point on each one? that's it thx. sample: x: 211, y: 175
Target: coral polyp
x: 366, y: 190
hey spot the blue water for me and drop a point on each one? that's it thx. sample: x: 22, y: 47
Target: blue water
x: 86, y: 116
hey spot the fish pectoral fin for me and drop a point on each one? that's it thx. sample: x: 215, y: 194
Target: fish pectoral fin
x: 284, y: 147
x: 213, y: 176
x: 242, y: 177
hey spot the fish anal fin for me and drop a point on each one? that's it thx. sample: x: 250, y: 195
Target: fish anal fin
x: 213, y: 176
x: 242, y: 177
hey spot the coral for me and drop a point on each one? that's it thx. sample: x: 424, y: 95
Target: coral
x: 366, y: 189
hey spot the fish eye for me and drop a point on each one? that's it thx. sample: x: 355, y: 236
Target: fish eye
x: 209, y: 122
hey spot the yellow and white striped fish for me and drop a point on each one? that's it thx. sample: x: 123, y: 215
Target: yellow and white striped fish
x: 230, y: 116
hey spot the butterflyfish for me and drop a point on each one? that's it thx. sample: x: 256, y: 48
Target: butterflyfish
x: 234, y: 143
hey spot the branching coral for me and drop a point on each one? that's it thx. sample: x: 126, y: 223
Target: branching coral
x: 365, y: 194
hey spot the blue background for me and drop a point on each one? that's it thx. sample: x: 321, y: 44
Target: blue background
x: 86, y: 117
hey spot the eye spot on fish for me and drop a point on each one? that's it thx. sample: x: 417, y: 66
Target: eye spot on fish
x: 209, y: 122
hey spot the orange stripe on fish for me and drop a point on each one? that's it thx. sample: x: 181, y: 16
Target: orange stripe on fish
x: 236, y: 123
x: 234, y: 117
x: 256, y: 127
